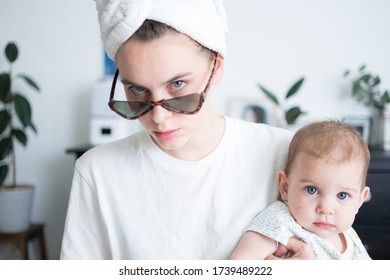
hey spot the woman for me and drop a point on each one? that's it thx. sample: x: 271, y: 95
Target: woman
x: 188, y: 184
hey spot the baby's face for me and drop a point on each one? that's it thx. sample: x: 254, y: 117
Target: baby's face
x: 324, y: 197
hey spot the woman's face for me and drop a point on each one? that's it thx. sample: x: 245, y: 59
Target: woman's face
x: 164, y: 68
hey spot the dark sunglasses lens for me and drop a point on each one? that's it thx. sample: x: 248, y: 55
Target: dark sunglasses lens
x: 184, y: 104
x: 131, y: 109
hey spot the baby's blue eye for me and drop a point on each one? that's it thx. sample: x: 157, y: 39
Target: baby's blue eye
x: 311, y: 190
x: 342, y: 196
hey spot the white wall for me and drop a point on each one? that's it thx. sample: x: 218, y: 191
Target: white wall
x: 275, y: 42
x: 60, y: 48
x: 272, y: 42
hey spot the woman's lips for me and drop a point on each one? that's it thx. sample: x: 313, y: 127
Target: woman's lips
x: 165, y: 135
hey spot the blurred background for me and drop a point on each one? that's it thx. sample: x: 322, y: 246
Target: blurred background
x: 270, y: 42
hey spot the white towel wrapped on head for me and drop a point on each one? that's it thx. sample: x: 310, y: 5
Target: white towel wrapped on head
x: 202, y: 20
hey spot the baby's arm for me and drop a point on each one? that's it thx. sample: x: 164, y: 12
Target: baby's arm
x: 254, y: 246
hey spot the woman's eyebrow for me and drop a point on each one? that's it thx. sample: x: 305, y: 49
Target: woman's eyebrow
x: 128, y: 82
x: 177, y: 77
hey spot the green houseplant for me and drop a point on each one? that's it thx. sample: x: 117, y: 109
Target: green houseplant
x: 291, y: 114
x: 366, y: 88
x: 15, y: 119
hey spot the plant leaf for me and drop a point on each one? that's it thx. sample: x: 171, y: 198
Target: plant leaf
x: 386, y: 96
x: 5, y: 147
x: 11, y: 52
x: 362, y: 67
x: 21, y: 136
x: 3, y: 173
x: 5, y: 86
x: 376, y: 81
x: 4, y: 120
x: 29, y: 81
x: 295, y: 87
x: 22, y: 109
x: 33, y: 127
x: 346, y: 73
x: 292, y: 114
x: 269, y: 94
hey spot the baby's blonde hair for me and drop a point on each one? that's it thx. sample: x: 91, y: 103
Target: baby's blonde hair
x: 331, y: 141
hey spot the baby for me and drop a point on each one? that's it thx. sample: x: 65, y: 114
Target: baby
x: 322, y: 188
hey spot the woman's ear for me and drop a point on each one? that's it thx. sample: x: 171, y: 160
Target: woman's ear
x: 218, y: 70
x: 283, y: 185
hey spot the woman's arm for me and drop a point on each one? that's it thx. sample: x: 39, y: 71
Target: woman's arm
x: 84, y: 234
x: 297, y: 250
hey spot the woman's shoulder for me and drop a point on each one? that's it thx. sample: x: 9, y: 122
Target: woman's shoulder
x: 258, y: 131
x: 114, y: 150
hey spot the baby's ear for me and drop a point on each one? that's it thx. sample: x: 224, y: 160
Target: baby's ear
x: 283, y: 185
x: 364, y: 195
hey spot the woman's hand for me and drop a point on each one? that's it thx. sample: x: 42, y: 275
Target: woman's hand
x: 295, y: 250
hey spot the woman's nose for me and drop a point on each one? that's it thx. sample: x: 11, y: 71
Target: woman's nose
x: 159, y: 114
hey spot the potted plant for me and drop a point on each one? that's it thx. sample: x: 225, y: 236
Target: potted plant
x: 366, y: 88
x: 15, y: 119
x: 291, y: 114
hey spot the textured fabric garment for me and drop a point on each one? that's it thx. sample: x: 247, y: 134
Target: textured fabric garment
x: 277, y: 223
x: 130, y: 200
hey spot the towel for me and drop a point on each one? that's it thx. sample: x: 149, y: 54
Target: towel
x: 202, y: 20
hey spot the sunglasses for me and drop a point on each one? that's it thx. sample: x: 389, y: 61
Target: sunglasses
x: 186, y: 104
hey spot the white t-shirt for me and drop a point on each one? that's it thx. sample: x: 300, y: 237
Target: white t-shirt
x: 277, y: 223
x: 130, y: 200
